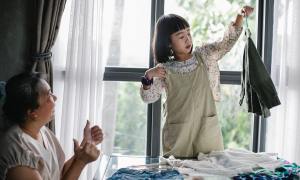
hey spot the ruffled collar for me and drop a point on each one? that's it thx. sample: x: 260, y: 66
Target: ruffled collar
x: 182, y: 67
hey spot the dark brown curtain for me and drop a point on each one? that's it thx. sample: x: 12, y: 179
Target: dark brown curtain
x: 48, y: 16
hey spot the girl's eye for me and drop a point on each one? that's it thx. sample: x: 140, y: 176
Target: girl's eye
x: 181, y: 37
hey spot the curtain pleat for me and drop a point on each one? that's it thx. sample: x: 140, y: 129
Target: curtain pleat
x: 48, y: 16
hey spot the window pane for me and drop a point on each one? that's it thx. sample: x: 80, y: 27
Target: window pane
x: 126, y: 32
x: 125, y: 119
x: 209, y: 19
x: 235, y: 122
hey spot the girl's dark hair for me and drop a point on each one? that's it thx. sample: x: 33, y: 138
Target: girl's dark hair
x: 22, y: 94
x: 165, y: 26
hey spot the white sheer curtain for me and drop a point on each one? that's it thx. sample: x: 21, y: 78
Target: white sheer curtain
x: 283, y: 128
x: 78, y: 81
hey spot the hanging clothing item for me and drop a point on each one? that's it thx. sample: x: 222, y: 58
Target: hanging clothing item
x: 191, y: 118
x: 257, y: 85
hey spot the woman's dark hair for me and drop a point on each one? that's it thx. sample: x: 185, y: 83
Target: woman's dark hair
x: 22, y: 94
x: 165, y: 26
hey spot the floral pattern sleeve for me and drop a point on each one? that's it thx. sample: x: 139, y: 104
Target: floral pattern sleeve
x: 153, y: 94
x: 216, y: 50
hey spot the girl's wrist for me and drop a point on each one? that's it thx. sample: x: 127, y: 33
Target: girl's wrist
x: 145, y: 87
x: 241, y: 13
x: 146, y: 81
x: 148, y: 76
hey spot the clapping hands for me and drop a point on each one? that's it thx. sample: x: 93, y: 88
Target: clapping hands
x: 87, y: 151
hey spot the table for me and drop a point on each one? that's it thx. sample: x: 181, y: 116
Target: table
x: 110, y: 164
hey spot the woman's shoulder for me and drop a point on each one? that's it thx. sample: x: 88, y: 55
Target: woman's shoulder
x: 11, y: 136
x: 13, y: 152
x: 12, y: 142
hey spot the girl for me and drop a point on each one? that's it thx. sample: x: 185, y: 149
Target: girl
x: 191, y: 80
x: 29, y: 150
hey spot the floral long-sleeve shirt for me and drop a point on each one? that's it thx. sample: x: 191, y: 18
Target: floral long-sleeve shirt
x: 210, y: 53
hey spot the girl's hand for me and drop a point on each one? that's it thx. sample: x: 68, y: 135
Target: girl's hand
x: 86, y: 153
x: 157, y: 71
x: 246, y: 11
x: 92, y: 135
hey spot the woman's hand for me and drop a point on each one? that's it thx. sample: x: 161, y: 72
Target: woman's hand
x: 246, y: 11
x: 83, y: 154
x: 93, y: 135
x: 157, y: 71
x: 86, y: 153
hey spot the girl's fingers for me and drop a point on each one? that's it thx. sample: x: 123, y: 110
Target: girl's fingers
x: 162, y: 71
x: 248, y: 10
x: 161, y: 75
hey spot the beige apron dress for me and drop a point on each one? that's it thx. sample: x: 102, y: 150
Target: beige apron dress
x: 191, y: 124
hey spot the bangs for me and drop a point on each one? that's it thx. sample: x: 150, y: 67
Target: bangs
x: 177, y: 25
x: 171, y: 23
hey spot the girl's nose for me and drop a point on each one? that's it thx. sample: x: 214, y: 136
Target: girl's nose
x: 188, y: 39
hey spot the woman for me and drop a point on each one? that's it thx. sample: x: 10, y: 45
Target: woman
x: 29, y: 149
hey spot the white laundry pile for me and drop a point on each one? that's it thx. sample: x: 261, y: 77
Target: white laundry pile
x: 229, y: 163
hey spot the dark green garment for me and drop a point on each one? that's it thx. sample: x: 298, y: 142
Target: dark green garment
x: 257, y: 85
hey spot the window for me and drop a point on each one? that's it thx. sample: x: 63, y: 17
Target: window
x: 127, y: 32
x: 126, y: 48
x: 208, y: 20
x: 126, y: 43
x: 235, y: 121
x: 126, y: 111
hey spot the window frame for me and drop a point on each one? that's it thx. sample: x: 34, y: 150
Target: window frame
x: 264, y: 46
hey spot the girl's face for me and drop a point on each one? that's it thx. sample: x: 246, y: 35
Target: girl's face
x: 46, y: 101
x: 181, y: 42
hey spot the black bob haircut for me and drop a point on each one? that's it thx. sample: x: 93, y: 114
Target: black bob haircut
x: 165, y: 26
x: 22, y: 93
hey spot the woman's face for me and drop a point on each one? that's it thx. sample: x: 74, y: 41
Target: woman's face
x: 46, y: 100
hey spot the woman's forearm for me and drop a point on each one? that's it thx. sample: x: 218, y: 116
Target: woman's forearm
x: 67, y: 165
x: 73, y: 169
